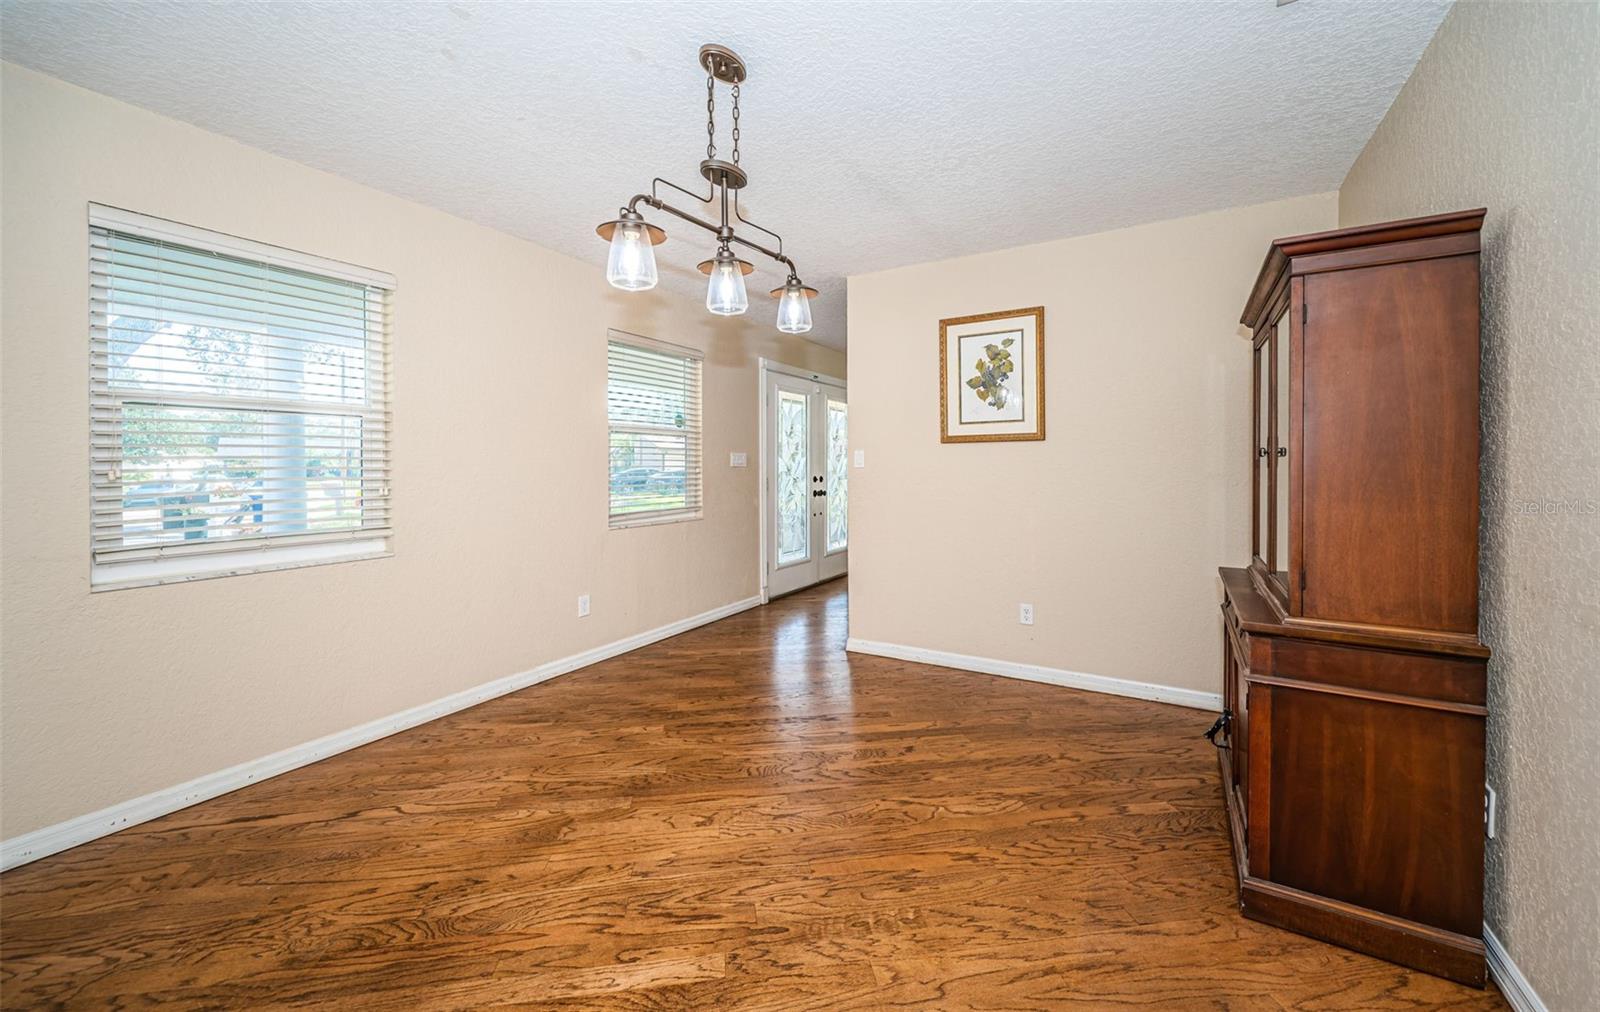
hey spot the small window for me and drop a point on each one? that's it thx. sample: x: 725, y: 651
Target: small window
x: 653, y: 414
x: 239, y: 414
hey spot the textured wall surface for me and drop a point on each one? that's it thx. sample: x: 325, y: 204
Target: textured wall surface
x: 876, y: 135
x: 1504, y: 111
x: 499, y: 380
x: 1114, y: 525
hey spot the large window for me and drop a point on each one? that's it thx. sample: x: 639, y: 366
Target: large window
x: 238, y: 402
x: 653, y: 413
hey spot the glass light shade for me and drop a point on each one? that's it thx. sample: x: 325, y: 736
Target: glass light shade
x: 794, y: 310
x: 632, y: 263
x: 725, y: 294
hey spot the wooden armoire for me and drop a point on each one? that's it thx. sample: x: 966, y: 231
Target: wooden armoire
x: 1352, y: 744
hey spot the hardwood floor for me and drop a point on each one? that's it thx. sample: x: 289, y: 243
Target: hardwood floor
x: 740, y: 817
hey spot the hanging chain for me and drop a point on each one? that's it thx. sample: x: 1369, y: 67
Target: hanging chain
x: 736, y: 124
x: 711, y: 117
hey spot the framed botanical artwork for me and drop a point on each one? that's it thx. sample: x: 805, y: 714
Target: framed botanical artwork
x: 991, y: 377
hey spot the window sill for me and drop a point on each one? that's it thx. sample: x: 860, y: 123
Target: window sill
x: 156, y: 572
x: 618, y: 523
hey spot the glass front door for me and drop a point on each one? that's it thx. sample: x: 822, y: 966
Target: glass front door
x: 807, y: 474
x: 795, y: 476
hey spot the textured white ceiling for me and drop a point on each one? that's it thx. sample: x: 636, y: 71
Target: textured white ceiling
x: 876, y: 134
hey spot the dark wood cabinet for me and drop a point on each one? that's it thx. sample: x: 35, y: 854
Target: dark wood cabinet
x: 1354, y: 681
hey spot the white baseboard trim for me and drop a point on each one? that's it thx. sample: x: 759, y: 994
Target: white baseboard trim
x: 1038, y: 673
x: 64, y: 835
x: 1519, y: 993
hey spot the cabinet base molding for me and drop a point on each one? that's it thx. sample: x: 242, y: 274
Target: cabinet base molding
x: 1419, y: 946
x: 1431, y: 950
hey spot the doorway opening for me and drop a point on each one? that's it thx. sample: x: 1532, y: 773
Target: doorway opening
x: 805, y: 497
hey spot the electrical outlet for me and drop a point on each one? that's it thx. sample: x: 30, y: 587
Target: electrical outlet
x: 1025, y: 614
x: 1488, y: 811
x: 738, y: 459
x: 861, y: 458
x: 583, y: 605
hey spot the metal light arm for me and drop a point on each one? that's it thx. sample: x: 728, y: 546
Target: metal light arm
x: 741, y: 240
x: 723, y: 232
x: 752, y: 224
x: 708, y: 198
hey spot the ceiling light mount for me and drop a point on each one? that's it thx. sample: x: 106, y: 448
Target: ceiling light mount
x: 722, y: 63
x: 631, y: 265
x: 725, y: 174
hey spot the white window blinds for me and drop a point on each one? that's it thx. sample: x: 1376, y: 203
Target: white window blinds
x: 653, y: 412
x: 238, y: 402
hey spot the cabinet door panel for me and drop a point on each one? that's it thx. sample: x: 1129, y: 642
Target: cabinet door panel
x: 1283, y: 454
x: 1262, y: 386
x: 1239, y: 732
x: 1378, y: 804
x: 1230, y: 704
x: 1390, y: 446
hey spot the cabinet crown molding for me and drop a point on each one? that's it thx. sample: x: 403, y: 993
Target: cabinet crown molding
x: 1363, y: 237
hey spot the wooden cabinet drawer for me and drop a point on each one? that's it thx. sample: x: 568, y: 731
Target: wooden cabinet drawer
x: 1392, y: 672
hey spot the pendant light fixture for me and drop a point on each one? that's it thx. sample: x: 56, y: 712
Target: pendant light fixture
x: 631, y: 265
x: 725, y: 294
x: 794, y: 306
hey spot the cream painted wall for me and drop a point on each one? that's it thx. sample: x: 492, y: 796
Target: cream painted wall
x: 109, y: 696
x: 1113, y: 527
x: 1503, y: 111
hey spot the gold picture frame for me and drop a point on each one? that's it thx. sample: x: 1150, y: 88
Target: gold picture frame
x: 1002, y: 400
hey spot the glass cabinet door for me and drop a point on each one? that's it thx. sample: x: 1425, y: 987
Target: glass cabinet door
x: 1283, y: 459
x: 1263, y: 473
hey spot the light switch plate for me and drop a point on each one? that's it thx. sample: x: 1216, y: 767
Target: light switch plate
x: 861, y: 458
x: 583, y: 605
x: 737, y: 460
